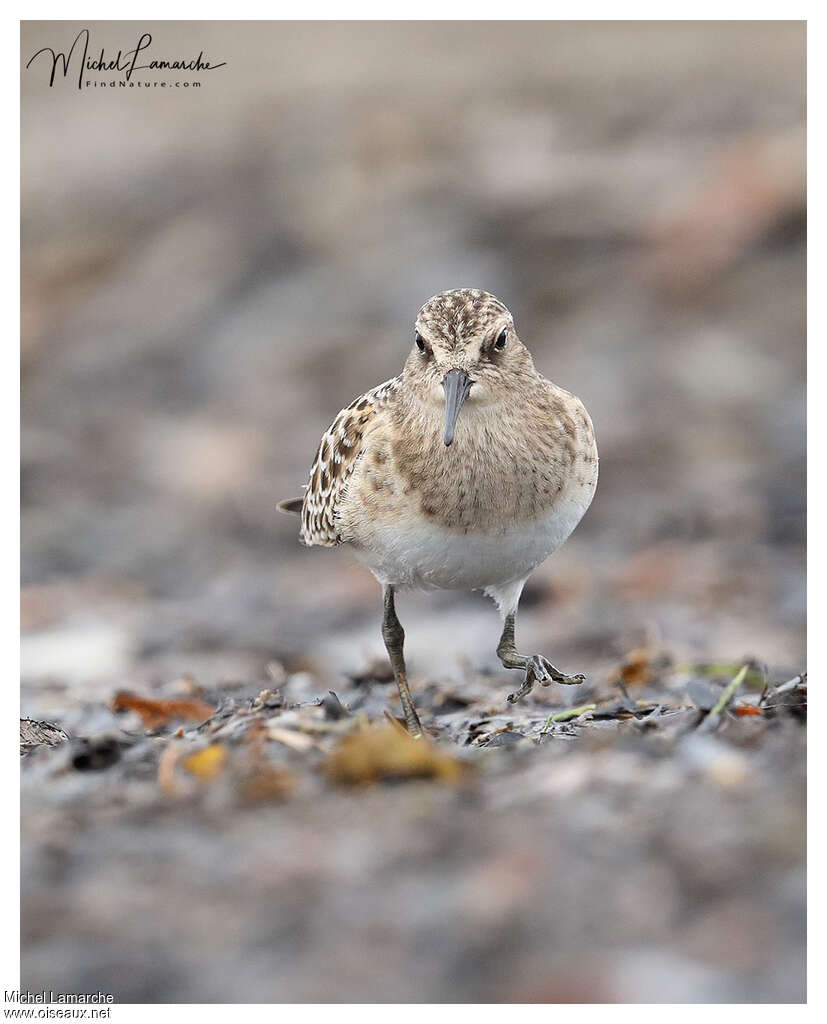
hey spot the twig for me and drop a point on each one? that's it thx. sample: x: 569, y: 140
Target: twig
x: 791, y: 684
x: 622, y: 687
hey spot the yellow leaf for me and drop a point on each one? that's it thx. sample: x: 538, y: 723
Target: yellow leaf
x: 373, y: 754
x: 207, y: 763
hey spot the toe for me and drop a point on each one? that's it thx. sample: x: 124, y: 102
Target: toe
x: 527, y: 686
x: 574, y: 680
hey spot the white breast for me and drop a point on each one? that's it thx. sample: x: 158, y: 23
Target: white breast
x: 423, y: 554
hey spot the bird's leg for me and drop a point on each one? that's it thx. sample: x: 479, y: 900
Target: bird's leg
x: 537, y: 668
x: 394, y: 636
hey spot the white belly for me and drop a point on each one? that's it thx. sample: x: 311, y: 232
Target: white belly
x: 426, y: 555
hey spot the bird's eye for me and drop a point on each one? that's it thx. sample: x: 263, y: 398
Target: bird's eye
x: 420, y: 344
x: 502, y: 337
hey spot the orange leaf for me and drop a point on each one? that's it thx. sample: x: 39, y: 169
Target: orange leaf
x: 635, y: 668
x: 155, y: 713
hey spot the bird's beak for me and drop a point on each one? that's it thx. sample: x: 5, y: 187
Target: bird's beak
x: 457, y: 385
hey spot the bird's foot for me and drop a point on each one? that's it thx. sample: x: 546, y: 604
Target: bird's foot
x: 414, y: 726
x: 407, y: 726
x: 539, y: 669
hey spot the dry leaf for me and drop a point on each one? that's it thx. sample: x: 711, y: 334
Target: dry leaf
x: 35, y: 734
x: 383, y: 752
x: 166, y: 769
x: 267, y: 782
x: 635, y: 669
x: 183, y: 686
x: 155, y: 713
x: 295, y: 740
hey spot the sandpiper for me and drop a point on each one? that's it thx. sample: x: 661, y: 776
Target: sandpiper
x: 430, y: 498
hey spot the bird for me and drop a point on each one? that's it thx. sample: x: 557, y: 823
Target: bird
x: 464, y: 472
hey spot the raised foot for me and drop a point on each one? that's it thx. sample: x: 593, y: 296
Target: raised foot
x: 539, y: 669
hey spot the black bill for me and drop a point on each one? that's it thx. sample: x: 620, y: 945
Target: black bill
x: 457, y: 385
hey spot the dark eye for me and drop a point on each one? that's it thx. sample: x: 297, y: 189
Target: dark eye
x: 420, y: 344
x: 502, y: 337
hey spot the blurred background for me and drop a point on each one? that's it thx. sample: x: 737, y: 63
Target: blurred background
x: 209, y: 275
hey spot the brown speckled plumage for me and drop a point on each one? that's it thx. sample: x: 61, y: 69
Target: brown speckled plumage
x: 338, y: 454
x: 462, y: 313
x: 509, y: 470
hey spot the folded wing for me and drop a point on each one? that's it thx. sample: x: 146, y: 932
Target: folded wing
x: 337, y: 457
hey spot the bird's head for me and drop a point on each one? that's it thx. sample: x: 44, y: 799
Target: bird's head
x: 466, y: 350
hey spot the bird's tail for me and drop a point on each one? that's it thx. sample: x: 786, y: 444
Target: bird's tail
x: 291, y: 506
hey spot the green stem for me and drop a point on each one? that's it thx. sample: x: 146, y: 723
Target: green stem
x: 565, y: 715
x: 729, y: 692
x: 718, y: 668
